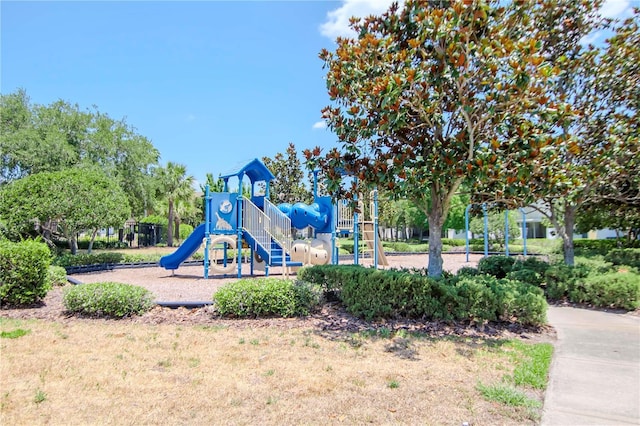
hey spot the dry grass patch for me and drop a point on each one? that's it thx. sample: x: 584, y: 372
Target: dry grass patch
x: 99, y: 372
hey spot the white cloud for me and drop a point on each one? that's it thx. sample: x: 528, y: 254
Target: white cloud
x: 320, y: 125
x: 337, y: 24
x: 615, y: 8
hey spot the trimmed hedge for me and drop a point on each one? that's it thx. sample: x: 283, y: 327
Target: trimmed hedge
x: 371, y: 294
x: 612, y: 290
x: 628, y: 257
x: 23, y: 272
x: 264, y: 297
x: 108, y: 258
x: 107, y: 299
x: 56, y: 275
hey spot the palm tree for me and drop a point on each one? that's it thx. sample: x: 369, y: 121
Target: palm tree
x: 174, y: 185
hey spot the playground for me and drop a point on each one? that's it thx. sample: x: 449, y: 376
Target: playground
x: 188, y: 284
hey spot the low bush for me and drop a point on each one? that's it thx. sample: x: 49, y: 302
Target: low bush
x: 560, y: 279
x: 107, y: 258
x: 498, y: 266
x: 107, y: 299
x: 454, y: 242
x: 264, y: 297
x: 23, y: 272
x: 611, y: 290
x: 371, y: 293
x: 56, y: 275
x: 628, y: 257
x: 467, y: 271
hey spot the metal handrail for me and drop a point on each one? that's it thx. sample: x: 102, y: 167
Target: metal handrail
x: 256, y: 223
x: 279, y: 226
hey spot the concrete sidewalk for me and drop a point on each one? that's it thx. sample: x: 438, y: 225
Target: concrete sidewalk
x: 595, y: 372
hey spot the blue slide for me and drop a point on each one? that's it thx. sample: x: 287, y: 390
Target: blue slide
x: 189, y: 246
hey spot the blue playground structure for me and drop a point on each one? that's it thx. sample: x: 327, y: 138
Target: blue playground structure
x: 233, y: 221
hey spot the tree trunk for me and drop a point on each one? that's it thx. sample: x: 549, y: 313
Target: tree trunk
x: 170, y: 225
x: 73, y: 244
x: 93, y: 237
x: 176, y: 228
x: 567, y: 237
x: 435, y: 243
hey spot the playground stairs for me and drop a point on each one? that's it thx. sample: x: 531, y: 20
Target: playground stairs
x: 277, y: 254
x: 263, y: 230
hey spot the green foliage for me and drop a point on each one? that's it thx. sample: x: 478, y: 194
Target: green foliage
x: 185, y: 231
x: 77, y: 199
x: 467, y: 271
x: 107, y: 299
x: 507, y: 394
x: 439, y: 78
x: 288, y: 187
x: 592, y: 247
x: 612, y: 290
x: 498, y: 266
x: 532, y: 364
x: 47, y: 138
x: 495, y: 227
x: 23, y: 272
x: 56, y: 275
x: 155, y: 220
x: 629, y: 257
x: 559, y: 279
x: 14, y: 334
x: 371, y: 294
x: 263, y: 297
x: 107, y: 258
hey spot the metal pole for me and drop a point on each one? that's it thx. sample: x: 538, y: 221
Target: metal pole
x: 207, y: 234
x: 239, y: 230
x: 356, y: 229
x: 506, y: 232
x: 524, y: 231
x: 466, y: 230
x: 375, y: 228
x: 486, y: 230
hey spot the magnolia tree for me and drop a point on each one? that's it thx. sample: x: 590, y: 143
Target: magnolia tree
x: 432, y: 95
x: 595, y: 159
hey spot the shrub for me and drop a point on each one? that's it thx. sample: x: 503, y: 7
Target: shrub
x: 628, y: 257
x: 262, y: 297
x: 56, y: 275
x: 107, y: 299
x: 23, y: 272
x: 371, y: 293
x: 559, y: 279
x: 532, y: 264
x: 467, y: 271
x: 611, y: 290
x: 498, y: 266
x: 526, y: 276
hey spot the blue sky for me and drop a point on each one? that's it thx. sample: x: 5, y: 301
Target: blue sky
x: 212, y: 84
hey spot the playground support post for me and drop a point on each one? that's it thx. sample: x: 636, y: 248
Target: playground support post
x: 356, y: 230
x: 375, y: 228
x: 240, y: 226
x: 207, y: 235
